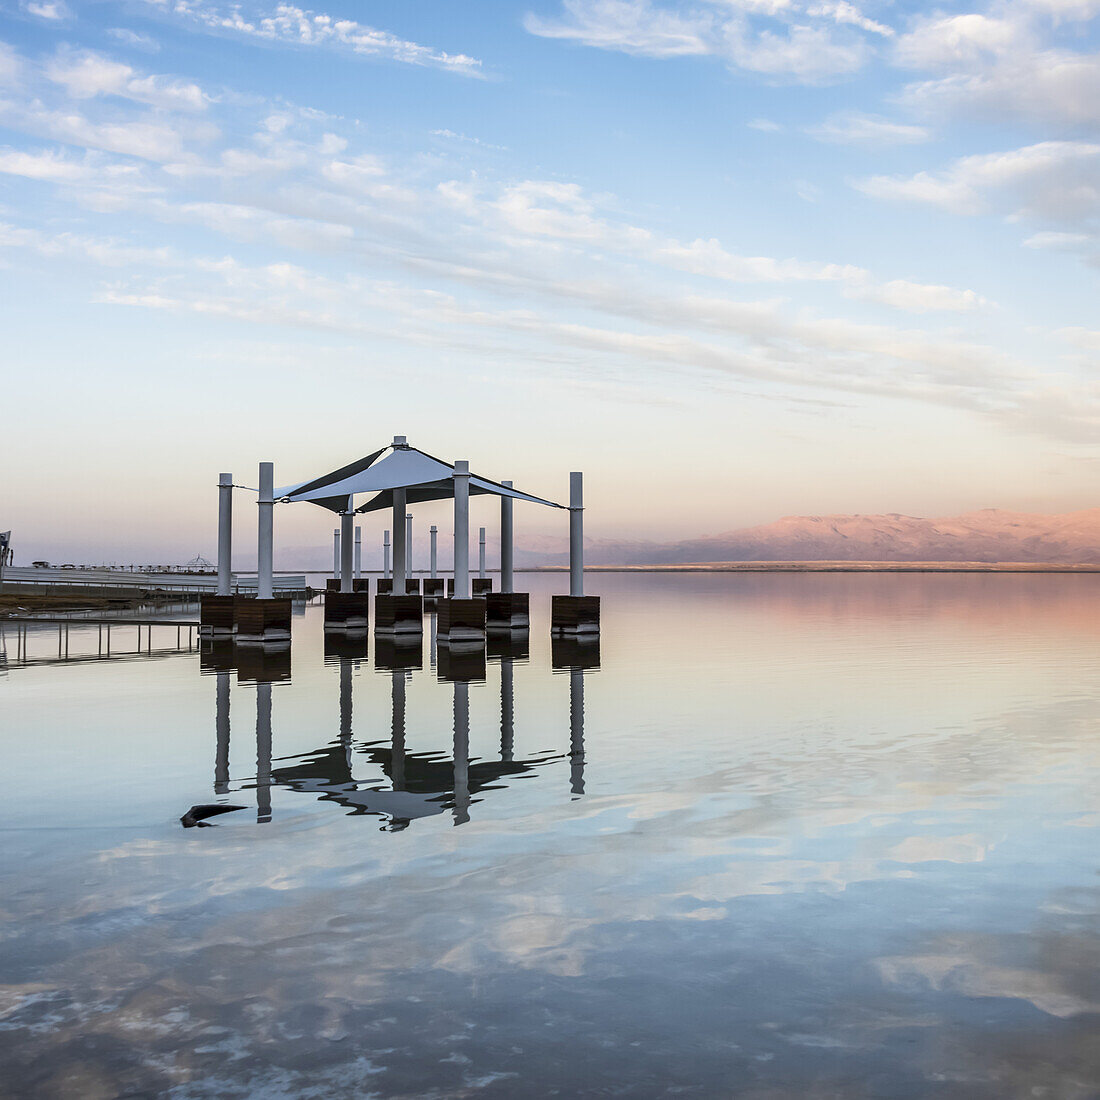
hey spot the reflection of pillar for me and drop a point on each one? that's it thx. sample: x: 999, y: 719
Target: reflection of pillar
x: 462, y: 529
x: 507, y: 583
x: 358, y: 552
x: 576, y: 730
x: 461, y: 752
x: 434, y: 555
x: 345, y: 707
x: 385, y: 553
x: 221, y: 726
x: 507, y: 710
x: 225, y: 533
x: 263, y: 751
x: 266, y: 532
x: 434, y: 641
x: 481, y: 552
x: 347, y: 546
x: 397, y: 731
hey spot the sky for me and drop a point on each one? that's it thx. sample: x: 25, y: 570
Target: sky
x: 734, y: 259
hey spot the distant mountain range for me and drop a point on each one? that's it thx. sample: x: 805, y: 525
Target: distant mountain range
x: 989, y: 535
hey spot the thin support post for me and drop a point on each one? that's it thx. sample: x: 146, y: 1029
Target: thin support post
x: 481, y: 552
x: 409, y: 544
x: 266, y: 532
x: 358, y: 552
x: 225, y: 533
x: 386, y: 571
x: 434, y: 559
x: 576, y: 534
x: 507, y: 579
x: 462, y: 529
x: 399, y: 546
x: 336, y: 551
x: 347, y: 546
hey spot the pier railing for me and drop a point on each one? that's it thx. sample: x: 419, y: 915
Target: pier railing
x: 244, y: 584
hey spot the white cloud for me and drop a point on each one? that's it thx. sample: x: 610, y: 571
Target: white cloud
x: 86, y: 75
x: 134, y: 39
x: 629, y: 26
x: 807, y: 42
x: 919, y: 297
x: 959, y: 40
x: 292, y: 25
x: 48, y: 165
x: 1057, y: 180
x: 854, y: 128
x: 53, y: 10
x: 765, y: 125
x: 11, y: 65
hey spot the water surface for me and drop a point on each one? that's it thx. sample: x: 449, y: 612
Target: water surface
x: 780, y: 836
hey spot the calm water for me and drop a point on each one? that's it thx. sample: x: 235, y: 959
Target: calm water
x: 795, y: 836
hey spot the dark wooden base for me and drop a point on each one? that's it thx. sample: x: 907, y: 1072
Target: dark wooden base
x: 513, y: 645
x: 478, y: 586
x: 574, y: 614
x: 347, y: 610
x: 461, y: 620
x: 263, y: 664
x: 358, y: 584
x: 217, y: 655
x: 433, y: 586
x: 216, y: 616
x: 343, y: 644
x: 507, y: 610
x: 398, y: 651
x: 575, y: 651
x: 398, y: 615
x: 461, y: 662
x: 384, y: 587
x: 412, y: 586
x: 262, y: 621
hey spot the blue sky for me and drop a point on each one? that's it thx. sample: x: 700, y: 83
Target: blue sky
x: 733, y: 258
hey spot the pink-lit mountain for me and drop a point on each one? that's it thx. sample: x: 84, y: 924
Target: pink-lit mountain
x: 989, y: 535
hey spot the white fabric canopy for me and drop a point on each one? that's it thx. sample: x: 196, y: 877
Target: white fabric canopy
x: 424, y: 478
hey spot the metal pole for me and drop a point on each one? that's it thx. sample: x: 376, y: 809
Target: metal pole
x: 576, y: 535
x: 263, y: 751
x: 347, y: 546
x: 481, y: 552
x: 434, y: 555
x: 409, y: 543
x: 225, y: 533
x: 462, y: 529
x: 400, y: 559
x: 576, y: 730
x: 507, y: 580
x: 507, y: 709
x: 386, y: 554
x: 461, y: 752
x: 358, y: 552
x: 266, y: 542
x: 336, y: 551
x: 221, y: 728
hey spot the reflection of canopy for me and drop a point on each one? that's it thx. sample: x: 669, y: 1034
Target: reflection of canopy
x: 422, y: 476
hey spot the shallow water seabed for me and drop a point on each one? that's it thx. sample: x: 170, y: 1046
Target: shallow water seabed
x: 795, y: 836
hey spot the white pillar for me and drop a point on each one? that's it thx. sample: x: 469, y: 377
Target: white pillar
x: 399, y: 549
x: 576, y: 535
x: 462, y: 529
x: 386, y: 554
x: 265, y: 548
x: 481, y: 552
x: 225, y: 534
x: 336, y: 551
x: 434, y: 554
x: 409, y: 544
x: 507, y: 581
x: 358, y: 552
x: 347, y: 546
